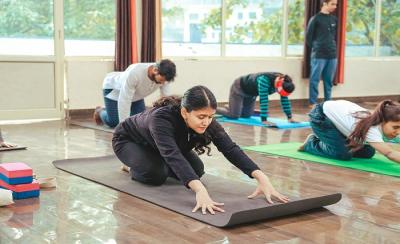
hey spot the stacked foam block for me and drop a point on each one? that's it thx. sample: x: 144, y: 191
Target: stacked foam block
x: 18, y: 178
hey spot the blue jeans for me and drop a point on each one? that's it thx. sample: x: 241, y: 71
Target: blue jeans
x: 241, y: 105
x: 110, y: 117
x: 328, y: 141
x: 325, y: 68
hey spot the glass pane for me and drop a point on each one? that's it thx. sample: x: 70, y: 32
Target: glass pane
x: 26, y: 27
x: 295, y: 27
x: 191, y: 27
x: 360, y: 28
x: 89, y: 27
x: 390, y: 28
x: 253, y: 27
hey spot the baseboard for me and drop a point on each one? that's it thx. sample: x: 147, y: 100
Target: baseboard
x: 273, y: 104
x: 80, y: 113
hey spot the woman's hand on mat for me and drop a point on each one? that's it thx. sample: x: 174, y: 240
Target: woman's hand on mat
x: 265, y: 187
x: 269, y: 123
x: 291, y: 120
x: 203, y: 200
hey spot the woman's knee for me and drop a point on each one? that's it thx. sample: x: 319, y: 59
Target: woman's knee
x: 365, y: 152
x: 112, y: 123
x: 150, y: 178
x: 370, y: 152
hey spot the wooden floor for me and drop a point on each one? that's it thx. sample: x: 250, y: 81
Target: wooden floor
x: 80, y: 211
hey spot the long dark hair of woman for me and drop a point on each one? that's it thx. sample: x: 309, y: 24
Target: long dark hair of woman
x: 386, y: 111
x: 196, y: 98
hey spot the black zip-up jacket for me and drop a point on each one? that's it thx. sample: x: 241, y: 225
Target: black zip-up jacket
x: 165, y: 130
x: 321, y: 36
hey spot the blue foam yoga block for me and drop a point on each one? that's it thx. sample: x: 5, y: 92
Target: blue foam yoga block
x: 25, y: 194
x: 16, y: 181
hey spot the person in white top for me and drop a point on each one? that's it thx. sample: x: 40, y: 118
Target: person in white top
x: 343, y: 130
x: 124, y: 92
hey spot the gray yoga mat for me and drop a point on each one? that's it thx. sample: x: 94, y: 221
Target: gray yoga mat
x: 91, y: 125
x: 174, y: 196
x: 12, y: 148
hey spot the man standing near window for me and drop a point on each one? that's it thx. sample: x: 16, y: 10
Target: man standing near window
x: 321, y: 38
x: 124, y: 92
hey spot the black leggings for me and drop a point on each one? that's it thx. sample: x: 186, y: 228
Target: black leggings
x: 146, y: 164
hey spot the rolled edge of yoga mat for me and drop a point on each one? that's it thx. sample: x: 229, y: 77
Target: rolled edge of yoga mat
x: 285, y: 209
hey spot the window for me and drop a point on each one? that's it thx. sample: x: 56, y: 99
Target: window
x: 254, y: 28
x: 26, y: 27
x: 390, y: 28
x: 296, y: 31
x: 360, y: 28
x: 260, y: 34
x: 184, y: 36
x: 89, y: 27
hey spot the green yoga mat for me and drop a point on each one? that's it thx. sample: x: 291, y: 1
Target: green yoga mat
x: 378, y: 164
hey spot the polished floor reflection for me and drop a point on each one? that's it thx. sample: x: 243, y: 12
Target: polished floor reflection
x: 80, y: 211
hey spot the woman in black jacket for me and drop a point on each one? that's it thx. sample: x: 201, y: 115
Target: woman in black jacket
x: 158, y: 143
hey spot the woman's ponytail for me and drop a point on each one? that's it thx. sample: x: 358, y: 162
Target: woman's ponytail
x: 384, y: 111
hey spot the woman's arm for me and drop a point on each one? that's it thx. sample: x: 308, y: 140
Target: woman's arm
x: 386, y: 150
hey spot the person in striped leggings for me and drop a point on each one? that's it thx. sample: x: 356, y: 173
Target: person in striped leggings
x: 245, y: 89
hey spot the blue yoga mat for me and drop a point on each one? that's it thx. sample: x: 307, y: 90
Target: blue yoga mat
x: 256, y: 121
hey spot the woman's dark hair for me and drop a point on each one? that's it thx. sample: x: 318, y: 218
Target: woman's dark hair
x: 288, y: 84
x: 167, y: 69
x: 385, y: 111
x: 196, y: 98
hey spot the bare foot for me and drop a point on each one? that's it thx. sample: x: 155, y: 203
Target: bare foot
x: 96, y: 115
x: 301, y: 148
x: 125, y: 168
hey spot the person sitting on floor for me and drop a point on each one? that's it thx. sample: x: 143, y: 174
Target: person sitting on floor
x: 124, y: 92
x: 159, y: 142
x: 343, y: 130
x: 245, y: 89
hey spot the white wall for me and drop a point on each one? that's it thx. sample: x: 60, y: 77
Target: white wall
x: 363, y: 77
x: 84, y: 81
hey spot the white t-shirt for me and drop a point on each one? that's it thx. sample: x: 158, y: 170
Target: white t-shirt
x: 131, y: 85
x: 340, y: 112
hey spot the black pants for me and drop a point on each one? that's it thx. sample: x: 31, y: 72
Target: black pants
x: 146, y: 164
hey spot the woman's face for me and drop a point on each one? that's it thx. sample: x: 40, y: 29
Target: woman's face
x: 391, y: 129
x: 198, y: 120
